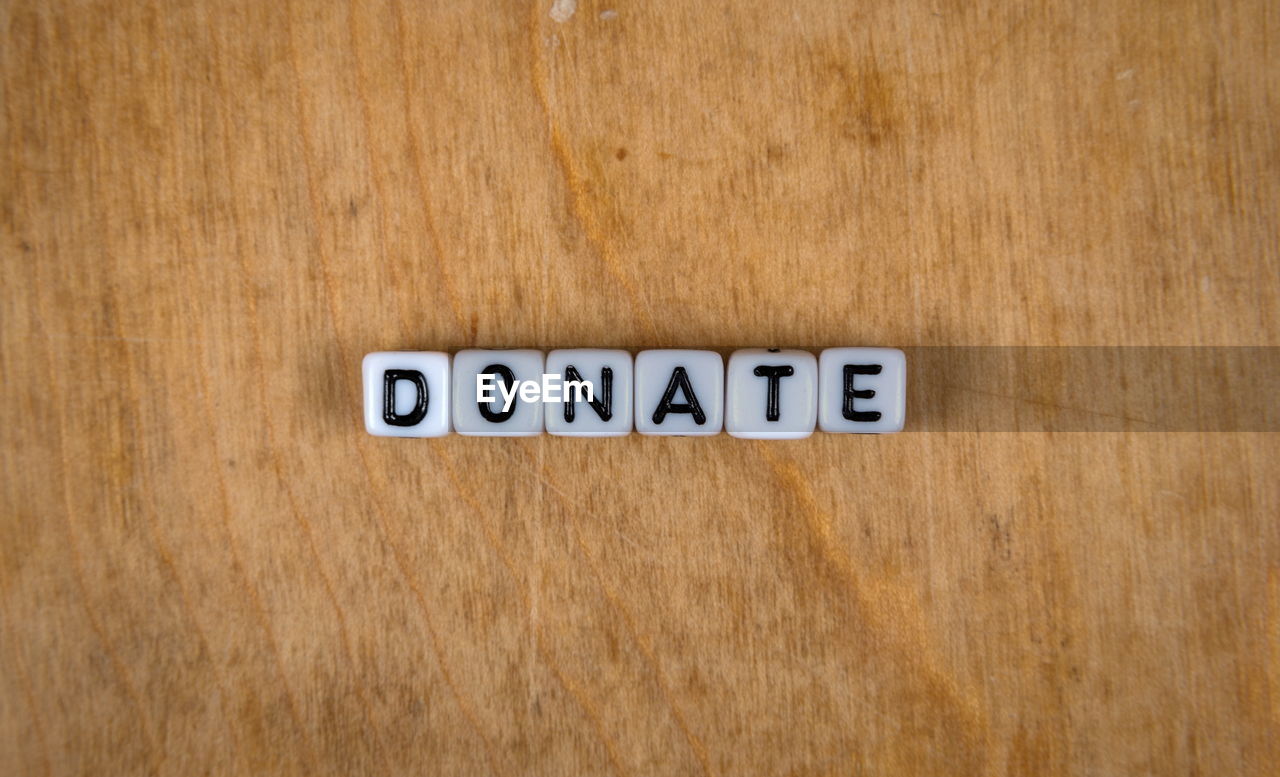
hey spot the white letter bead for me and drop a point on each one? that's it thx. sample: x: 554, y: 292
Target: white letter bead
x: 679, y: 392
x: 522, y: 419
x: 611, y: 393
x: 771, y: 394
x: 406, y: 393
x: 862, y: 390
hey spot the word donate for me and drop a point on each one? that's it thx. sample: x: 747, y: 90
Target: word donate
x: 762, y: 393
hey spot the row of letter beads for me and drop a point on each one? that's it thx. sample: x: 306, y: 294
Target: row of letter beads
x: 766, y: 394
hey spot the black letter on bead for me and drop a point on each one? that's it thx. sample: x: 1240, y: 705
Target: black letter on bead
x: 775, y: 375
x: 603, y: 405
x: 850, y: 393
x: 419, y: 412
x: 679, y: 379
x: 509, y: 379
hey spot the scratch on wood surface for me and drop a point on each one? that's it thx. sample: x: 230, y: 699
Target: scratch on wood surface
x: 892, y: 609
x: 77, y: 572
x: 375, y: 174
x: 24, y: 679
x: 578, y: 196
x: 1273, y: 642
x: 590, y: 709
x: 424, y: 200
x: 149, y: 507
x: 303, y: 523
x: 646, y: 648
x: 563, y: 10
x: 250, y: 300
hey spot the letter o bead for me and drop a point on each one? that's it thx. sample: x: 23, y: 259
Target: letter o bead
x: 406, y: 393
x: 523, y: 418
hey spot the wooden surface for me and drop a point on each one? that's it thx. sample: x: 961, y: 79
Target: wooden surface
x: 212, y: 210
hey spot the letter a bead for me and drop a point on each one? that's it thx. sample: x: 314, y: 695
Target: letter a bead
x: 679, y: 392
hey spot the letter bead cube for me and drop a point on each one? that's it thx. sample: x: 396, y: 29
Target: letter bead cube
x: 771, y: 394
x: 862, y: 390
x: 679, y: 392
x: 608, y: 414
x: 406, y: 393
x: 523, y: 418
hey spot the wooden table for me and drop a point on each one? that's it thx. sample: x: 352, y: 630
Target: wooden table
x: 212, y: 210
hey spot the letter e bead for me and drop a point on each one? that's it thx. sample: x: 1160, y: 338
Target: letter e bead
x: 862, y: 390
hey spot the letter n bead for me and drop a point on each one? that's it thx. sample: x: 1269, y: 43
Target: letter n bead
x: 862, y: 390
x: 406, y: 393
x: 608, y: 414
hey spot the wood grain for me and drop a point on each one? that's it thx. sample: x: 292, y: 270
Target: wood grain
x: 212, y: 210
